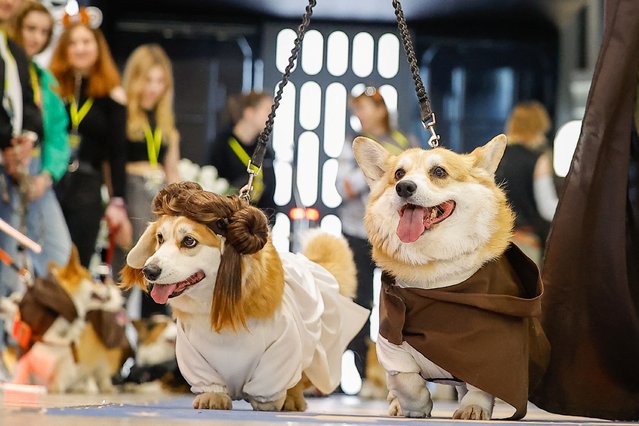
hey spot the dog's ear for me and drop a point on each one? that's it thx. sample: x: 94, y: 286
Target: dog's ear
x: 371, y: 158
x: 487, y: 157
x: 139, y: 254
x: 131, y: 274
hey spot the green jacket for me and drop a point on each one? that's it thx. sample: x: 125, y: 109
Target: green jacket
x: 55, y: 142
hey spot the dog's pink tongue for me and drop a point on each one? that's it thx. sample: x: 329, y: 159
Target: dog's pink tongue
x: 411, y: 224
x: 161, y: 292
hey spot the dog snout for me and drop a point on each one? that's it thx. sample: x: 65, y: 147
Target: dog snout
x: 152, y: 272
x: 406, y: 188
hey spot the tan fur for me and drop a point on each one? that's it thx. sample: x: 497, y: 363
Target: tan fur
x: 95, y: 359
x: 336, y: 257
x: 460, y: 168
x: 70, y: 275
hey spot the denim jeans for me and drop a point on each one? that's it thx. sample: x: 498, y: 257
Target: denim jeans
x: 45, y: 225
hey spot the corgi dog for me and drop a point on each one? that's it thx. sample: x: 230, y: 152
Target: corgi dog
x: 252, y: 323
x: 155, y: 361
x: 54, y: 326
x: 459, y: 302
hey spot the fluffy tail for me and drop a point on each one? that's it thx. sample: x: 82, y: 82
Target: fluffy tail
x: 335, y: 255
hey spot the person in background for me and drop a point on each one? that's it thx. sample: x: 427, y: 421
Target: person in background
x: 233, y: 148
x: 20, y: 130
x: 153, y: 150
x: 95, y: 102
x: 32, y: 28
x: 20, y: 133
x: 371, y: 111
x: 526, y: 171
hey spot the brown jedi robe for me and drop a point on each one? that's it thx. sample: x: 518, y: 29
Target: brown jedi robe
x: 590, y: 273
x: 41, y: 305
x: 482, y: 331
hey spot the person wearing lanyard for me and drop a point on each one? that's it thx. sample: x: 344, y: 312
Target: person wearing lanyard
x: 370, y: 110
x: 233, y: 148
x: 90, y: 83
x: 31, y: 29
x: 152, y: 147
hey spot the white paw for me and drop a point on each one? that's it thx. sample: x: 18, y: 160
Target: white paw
x: 471, y: 412
x: 212, y: 401
x: 268, y: 405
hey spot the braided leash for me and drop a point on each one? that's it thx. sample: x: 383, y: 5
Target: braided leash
x: 255, y: 164
x: 427, y: 116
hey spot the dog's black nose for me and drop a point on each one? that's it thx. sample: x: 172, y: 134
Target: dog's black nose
x: 406, y: 188
x: 151, y: 272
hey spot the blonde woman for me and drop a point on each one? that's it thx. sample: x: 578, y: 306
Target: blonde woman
x: 152, y: 140
x: 526, y: 171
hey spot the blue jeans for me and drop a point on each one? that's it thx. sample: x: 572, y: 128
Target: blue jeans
x: 45, y: 225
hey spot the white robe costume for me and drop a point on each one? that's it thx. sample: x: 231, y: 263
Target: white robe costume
x: 308, y: 333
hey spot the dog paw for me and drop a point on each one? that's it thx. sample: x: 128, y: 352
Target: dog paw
x: 394, y: 409
x: 294, y: 403
x: 212, y: 401
x: 471, y: 412
x: 268, y: 405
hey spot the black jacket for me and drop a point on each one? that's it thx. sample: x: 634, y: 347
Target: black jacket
x: 32, y: 116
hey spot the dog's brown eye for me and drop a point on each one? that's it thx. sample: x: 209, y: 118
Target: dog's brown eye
x: 189, y: 242
x: 160, y: 238
x: 400, y: 173
x: 438, y: 172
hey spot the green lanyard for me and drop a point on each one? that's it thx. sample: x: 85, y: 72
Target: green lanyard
x: 153, y: 143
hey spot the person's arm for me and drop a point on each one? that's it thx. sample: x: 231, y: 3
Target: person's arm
x: 350, y: 178
x: 544, y: 188
x: 116, y: 139
x: 55, y: 143
x: 171, y: 160
x: 31, y: 114
x: 116, y: 213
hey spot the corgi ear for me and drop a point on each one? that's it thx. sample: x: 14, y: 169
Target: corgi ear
x: 131, y: 274
x: 487, y: 157
x: 371, y: 158
x: 143, y: 249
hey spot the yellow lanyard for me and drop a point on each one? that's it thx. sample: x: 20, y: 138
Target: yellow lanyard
x: 153, y: 143
x: 258, y: 182
x: 78, y: 116
x: 35, y: 85
x: 401, y: 143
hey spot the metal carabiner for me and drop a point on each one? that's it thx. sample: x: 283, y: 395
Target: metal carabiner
x: 433, y: 141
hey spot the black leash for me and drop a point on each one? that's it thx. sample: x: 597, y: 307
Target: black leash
x: 255, y: 164
x: 427, y: 116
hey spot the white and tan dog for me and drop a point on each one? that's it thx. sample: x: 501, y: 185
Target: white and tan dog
x: 253, y: 323
x: 458, y: 301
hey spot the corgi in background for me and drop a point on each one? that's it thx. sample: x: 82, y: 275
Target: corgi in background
x: 63, y: 325
x: 459, y: 303
x: 155, y: 362
x: 252, y: 323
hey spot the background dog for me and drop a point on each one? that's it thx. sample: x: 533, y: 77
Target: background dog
x: 458, y: 301
x: 65, y: 325
x: 252, y: 323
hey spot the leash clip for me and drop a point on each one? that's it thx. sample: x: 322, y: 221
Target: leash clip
x: 245, y: 192
x: 433, y: 141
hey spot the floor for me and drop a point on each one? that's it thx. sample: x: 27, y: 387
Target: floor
x: 22, y: 407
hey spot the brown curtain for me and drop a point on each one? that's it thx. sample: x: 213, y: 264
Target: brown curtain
x: 591, y: 302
